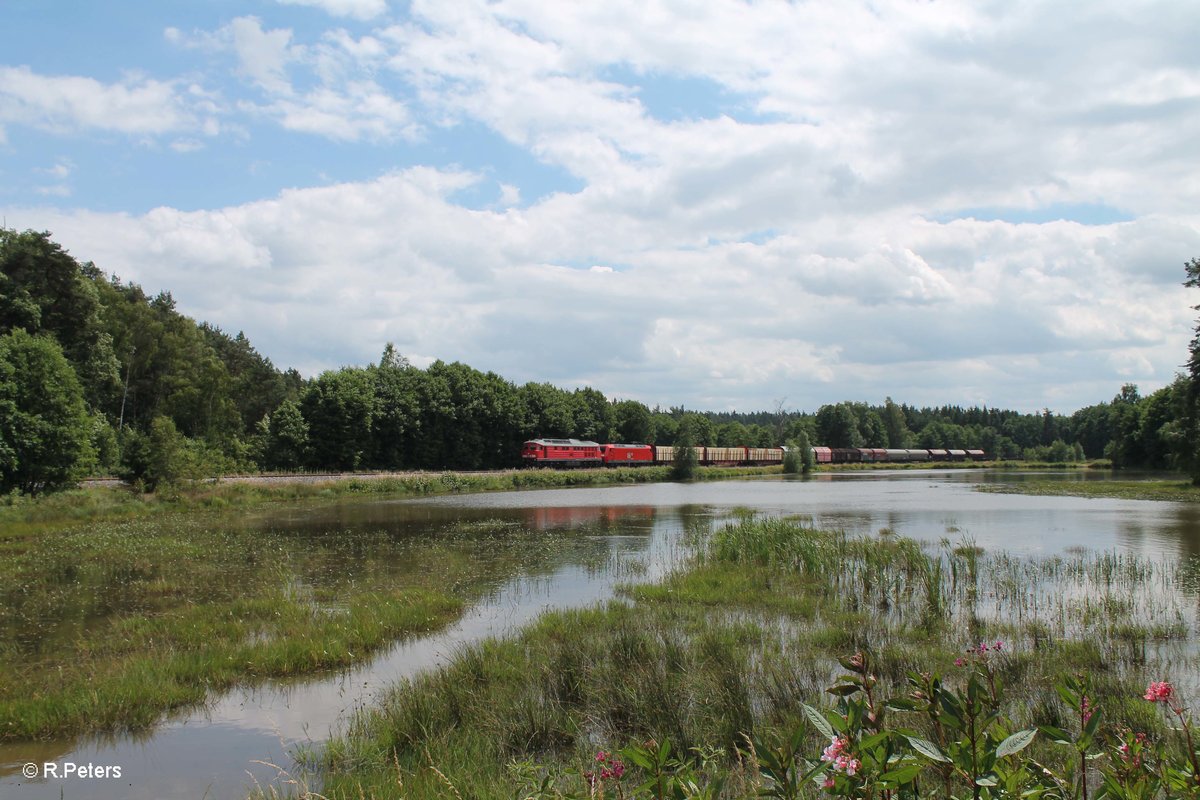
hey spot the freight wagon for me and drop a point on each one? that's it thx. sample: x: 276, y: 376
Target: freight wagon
x: 576, y: 453
x: 561, y: 453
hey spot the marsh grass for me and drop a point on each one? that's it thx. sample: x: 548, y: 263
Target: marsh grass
x: 734, y: 645
x: 20, y: 515
x: 107, y: 626
x: 1169, y: 490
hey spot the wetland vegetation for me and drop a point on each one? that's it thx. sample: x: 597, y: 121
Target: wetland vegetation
x: 107, y: 626
x: 22, y: 515
x: 726, y: 659
x: 1177, y: 491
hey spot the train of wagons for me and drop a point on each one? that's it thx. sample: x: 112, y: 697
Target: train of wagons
x: 578, y: 453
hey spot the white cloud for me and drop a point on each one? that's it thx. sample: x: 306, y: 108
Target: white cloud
x: 358, y: 9
x: 263, y: 56
x: 356, y: 111
x: 778, y: 237
x: 187, y: 145
x: 61, y: 170
x: 332, y: 95
x: 72, y: 104
x: 926, y: 312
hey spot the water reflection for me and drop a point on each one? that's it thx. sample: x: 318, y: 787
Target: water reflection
x: 530, y: 551
x: 545, y: 558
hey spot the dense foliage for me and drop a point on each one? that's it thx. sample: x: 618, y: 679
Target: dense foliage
x: 96, y: 376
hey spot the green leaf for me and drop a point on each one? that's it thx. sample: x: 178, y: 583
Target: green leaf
x: 1015, y: 743
x: 843, y: 689
x: 1069, y: 697
x: 845, y: 662
x: 1092, y: 724
x: 927, y: 749
x: 818, y: 720
x: 987, y: 779
x: 901, y: 775
x: 902, y: 704
x: 1057, y: 735
x: 952, y: 706
x: 869, y: 742
x: 639, y: 756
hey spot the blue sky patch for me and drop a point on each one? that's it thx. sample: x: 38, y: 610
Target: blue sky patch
x: 677, y: 98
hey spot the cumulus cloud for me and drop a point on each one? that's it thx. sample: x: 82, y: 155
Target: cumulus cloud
x: 332, y: 94
x: 71, y: 104
x: 803, y: 228
x: 326, y: 276
x: 358, y: 9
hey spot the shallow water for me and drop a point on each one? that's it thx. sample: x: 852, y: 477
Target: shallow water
x: 595, y: 539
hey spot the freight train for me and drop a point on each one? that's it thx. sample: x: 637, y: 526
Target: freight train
x: 576, y: 453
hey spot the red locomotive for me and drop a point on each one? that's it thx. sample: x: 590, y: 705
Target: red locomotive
x: 561, y: 453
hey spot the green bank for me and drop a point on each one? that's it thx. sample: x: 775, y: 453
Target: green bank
x: 1176, y: 491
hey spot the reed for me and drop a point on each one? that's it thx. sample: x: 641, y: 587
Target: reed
x: 732, y: 648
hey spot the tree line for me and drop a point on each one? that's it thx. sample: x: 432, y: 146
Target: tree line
x: 98, y: 377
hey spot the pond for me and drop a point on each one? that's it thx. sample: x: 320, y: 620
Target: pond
x: 573, y: 547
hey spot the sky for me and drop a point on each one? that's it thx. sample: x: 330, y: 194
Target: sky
x: 717, y: 205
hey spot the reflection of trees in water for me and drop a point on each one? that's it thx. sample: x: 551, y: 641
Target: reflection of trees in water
x: 1177, y: 531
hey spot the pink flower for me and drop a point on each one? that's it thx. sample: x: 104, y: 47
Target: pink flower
x: 1085, y: 709
x: 828, y: 784
x: 831, y: 753
x: 1159, y: 692
x: 958, y: 662
x: 851, y: 766
x: 841, y: 761
x: 601, y: 756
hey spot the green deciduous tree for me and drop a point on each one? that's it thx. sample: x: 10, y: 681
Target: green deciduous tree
x: 874, y: 433
x: 837, y: 426
x: 397, y: 410
x: 548, y: 411
x: 43, y: 290
x: 896, y: 425
x: 632, y: 422
x: 799, y: 457
x: 593, y: 415
x: 685, y: 461
x: 1189, y: 438
x: 45, y: 427
x: 158, y: 458
x: 286, y: 444
x: 339, y: 408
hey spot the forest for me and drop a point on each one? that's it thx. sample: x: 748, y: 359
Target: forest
x: 99, y: 378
